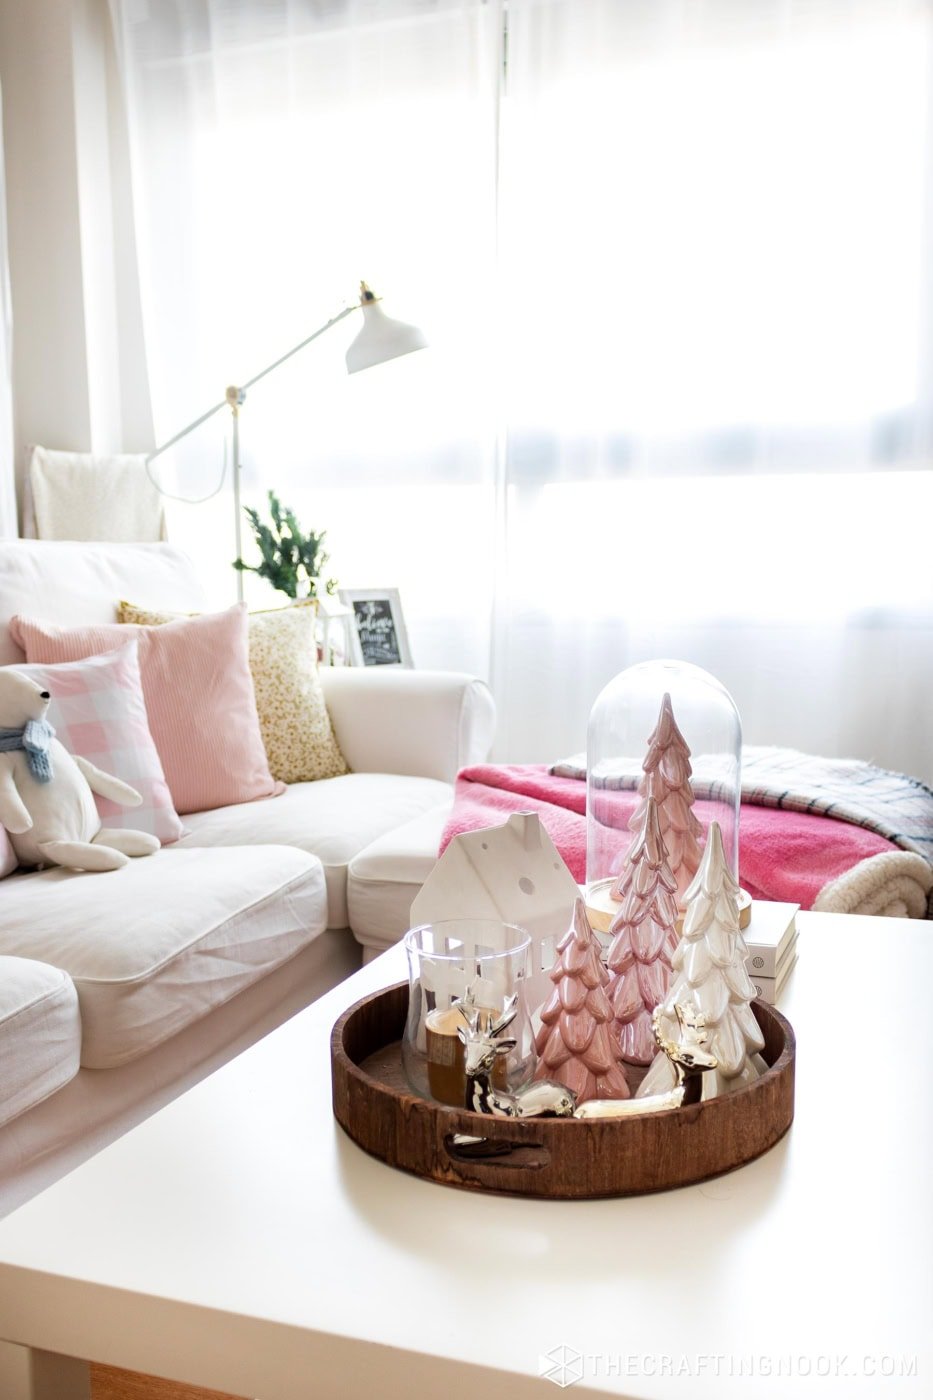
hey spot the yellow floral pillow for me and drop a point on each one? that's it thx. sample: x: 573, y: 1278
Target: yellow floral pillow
x: 296, y: 730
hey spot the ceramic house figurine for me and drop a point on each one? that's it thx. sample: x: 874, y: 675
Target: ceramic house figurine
x: 513, y: 873
x: 575, y: 1044
x: 643, y: 940
x: 709, y: 975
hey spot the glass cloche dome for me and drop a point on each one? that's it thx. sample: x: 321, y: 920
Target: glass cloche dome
x: 668, y: 731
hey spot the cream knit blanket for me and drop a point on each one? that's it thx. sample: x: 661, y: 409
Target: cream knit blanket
x: 896, y: 883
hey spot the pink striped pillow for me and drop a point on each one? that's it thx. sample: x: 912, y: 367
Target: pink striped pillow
x: 98, y: 712
x: 199, y: 698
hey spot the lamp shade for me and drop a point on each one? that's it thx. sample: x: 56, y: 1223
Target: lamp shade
x: 381, y: 338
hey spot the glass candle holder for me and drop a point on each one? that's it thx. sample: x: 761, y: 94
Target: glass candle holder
x: 449, y: 960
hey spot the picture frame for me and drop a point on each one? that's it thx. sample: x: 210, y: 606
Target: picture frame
x: 378, y: 636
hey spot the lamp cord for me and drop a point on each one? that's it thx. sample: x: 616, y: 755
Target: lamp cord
x: 190, y: 500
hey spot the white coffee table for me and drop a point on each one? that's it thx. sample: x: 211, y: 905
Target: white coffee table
x: 239, y: 1240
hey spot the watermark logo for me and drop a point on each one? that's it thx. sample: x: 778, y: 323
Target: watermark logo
x: 564, y: 1366
x: 561, y: 1365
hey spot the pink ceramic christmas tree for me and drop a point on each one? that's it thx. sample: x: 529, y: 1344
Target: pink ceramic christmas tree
x: 710, y: 980
x: 575, y: 1044
x: 643, y: 939
x: 666, y: 781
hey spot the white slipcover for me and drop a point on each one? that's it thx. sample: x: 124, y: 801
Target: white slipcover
x: 155, y: 946
x: 384, y: 878
x: 424, y: 723
x: 73, y: 584
x: 40, y: 1034
x: 333, y: 819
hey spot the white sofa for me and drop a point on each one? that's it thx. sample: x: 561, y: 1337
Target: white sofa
x: 151, y: 976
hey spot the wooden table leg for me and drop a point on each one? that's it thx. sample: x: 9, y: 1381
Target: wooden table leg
x: 41, y: 1375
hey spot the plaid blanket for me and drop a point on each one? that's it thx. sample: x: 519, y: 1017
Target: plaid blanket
x: 892, y: 805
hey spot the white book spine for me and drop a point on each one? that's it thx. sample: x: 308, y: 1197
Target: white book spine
x: 769, y: 989
x: 764, y: 959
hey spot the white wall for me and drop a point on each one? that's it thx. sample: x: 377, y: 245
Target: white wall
x: 79, y: 371
x: 50, y: 371
x: 9, y: 526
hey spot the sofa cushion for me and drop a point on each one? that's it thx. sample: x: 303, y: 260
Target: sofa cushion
x: 74, y: 584
x: 384, y: 878
x: 199, y: 698
x: 296, y: 728
x: 155, y: 946
x: 333, y: 819
x: 40, y: 1033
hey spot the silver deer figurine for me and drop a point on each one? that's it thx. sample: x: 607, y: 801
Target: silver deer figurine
x: 483, y: 1043
x: 688, y: 1055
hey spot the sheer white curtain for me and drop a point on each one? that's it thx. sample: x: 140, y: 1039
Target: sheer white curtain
x: 8, y: 522
x: 716, y: 224
x: 283, y: 151
x: 672, y: 261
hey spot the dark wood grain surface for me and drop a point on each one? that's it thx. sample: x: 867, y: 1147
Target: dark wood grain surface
x: 110, y: 1383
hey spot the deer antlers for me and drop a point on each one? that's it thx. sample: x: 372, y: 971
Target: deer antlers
x: 480, y: 1021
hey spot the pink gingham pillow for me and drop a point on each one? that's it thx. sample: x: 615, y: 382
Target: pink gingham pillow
x: 98, y: 712
x: 199, y: 699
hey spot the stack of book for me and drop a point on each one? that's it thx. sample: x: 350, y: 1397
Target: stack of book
x: 771, y: 937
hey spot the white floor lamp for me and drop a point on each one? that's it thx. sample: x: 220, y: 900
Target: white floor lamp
x: 380, y: 338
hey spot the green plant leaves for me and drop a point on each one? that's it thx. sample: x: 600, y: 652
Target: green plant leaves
x: 292, y: 561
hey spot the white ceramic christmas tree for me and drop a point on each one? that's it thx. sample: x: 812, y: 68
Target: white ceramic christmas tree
x: 710, y: 978
x: 576, y: 1046
x: 643, y: 939
x: 666, y: 781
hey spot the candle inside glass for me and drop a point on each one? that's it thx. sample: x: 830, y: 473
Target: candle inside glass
x: 480, y: 962
x: 445, y: 1056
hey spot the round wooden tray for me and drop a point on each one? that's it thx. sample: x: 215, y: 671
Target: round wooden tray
x: 559, y: 1157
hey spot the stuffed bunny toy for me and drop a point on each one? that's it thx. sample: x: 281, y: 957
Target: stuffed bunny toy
x: 46, y: 801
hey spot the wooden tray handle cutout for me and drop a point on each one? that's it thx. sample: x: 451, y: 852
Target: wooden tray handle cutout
x: 499, y: 1152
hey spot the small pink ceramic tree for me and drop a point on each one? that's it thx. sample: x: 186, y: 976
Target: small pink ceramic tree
x: 666, y: 781
x: 644, y: 938
x: 710, y: 980
x: 575, y: 1043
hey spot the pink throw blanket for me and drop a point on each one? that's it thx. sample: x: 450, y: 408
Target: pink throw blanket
x: 784, y: 855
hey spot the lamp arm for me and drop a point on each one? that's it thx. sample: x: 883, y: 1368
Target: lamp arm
x: 151, y: 456
x: 241, y: 390
x: 341, y: 315
x: 233, y: 399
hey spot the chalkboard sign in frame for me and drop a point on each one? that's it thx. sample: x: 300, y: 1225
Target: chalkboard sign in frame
x: 378, y: 636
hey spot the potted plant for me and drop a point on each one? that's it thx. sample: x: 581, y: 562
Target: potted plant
x: 292, y: 561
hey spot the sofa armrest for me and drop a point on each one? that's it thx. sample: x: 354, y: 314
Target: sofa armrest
x: 426, y: 724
